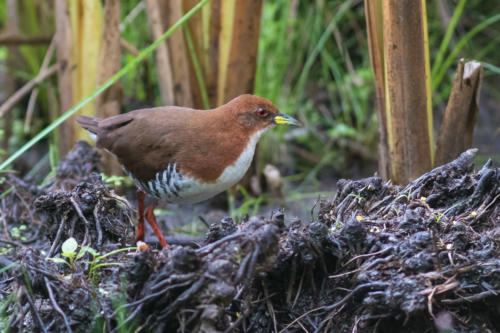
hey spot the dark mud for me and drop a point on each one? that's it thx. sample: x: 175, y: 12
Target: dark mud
x: 378, y: 258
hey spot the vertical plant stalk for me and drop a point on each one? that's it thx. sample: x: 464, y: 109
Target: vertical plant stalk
x: 196, y: 67
x: 87, y: 20
x: 225, y: 37
x: 163, y: 65
x: 144, y: 53
x: 205, y: 29
x: 455, y: 133
x: 428, y: 83
x: 109, y: 102
x: 406, y: 75
x: 242, y: 57
x: 211, y: 64
x: 64, y: 75
x: 178, y: 56
x: 12, y: 28
x: 375, y: 31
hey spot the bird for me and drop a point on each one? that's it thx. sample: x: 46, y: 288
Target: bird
x: 182, y: 155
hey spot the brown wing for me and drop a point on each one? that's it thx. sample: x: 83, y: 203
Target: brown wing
x: 142, y: 139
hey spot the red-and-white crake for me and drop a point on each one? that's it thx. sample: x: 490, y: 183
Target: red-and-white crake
x: 182, y: 155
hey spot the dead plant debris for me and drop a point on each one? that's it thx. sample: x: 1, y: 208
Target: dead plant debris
x: 379, y: 257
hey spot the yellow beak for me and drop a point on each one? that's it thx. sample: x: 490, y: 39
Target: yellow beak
x: 283, y: 119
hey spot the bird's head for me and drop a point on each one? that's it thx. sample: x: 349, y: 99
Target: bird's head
x: 257, y: 113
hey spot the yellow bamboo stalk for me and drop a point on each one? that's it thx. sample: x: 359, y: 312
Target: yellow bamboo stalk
x: 86, y: 25
x: 227, y: 19
x: 428, y: 82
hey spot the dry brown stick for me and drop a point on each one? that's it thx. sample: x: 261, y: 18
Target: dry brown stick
x: 65, y: 72
x: 455, y: 133
x: 82, y: 217
x: 127, y: 46
x: 374, y: 27
x: 12, y: 100
x: 383, y: 251
x: 178, y: 55
x: 34, y: 311
x: 359, y: 288
x: 55, y: 305
x: 14, y: 39
x: 34, y: 93
x: 270, y: 308
x: 5, y: 227
x: 11, y: 242
x: 30, y: 109
x: 163, y: 67
x: 300, y: 317
x: 472, y: 298
x: 98, y: 224
x: 56, y: 240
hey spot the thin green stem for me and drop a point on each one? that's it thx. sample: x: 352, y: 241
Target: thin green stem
x: 451, y: 57
x: 447, y: 36
x: 319, y: 46
x: 196, y: 67
x: 144, y: 53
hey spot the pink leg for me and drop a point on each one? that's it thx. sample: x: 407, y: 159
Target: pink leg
x: 151, y: 218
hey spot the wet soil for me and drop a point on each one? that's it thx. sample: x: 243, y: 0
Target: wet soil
x: 376, y: 258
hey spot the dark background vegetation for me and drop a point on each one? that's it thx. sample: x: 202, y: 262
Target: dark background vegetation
x: 333, y: 95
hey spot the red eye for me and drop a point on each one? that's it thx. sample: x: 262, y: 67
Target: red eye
x: 262, y: 112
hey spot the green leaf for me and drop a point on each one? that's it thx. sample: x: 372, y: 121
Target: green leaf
x: 6, y: 268
x: 69, y: 247
x: 86, y: 249
x: 57, y: 260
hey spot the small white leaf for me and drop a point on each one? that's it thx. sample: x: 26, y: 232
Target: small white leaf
x: 69, y: 246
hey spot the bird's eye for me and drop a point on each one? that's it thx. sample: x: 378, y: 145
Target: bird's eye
x: 262, y: 112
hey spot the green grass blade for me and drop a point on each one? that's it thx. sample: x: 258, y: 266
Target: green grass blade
x: 492, y: 68
x: 144, y: 53
x: 321, y: 43
x: 9, y: 266
x: 447, y: 36
x: 451, y: 57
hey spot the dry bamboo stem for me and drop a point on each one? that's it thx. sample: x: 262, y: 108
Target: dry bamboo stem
x: 406, y: 91
x: 242, y: 61
x: 12, y: 100
x: 178, y: 56
x: 64, y: 75
x: 374, y: 25
x: 15, y: 40
x: 109, y: 102
x: 163, y: 66
x: 455, y: 133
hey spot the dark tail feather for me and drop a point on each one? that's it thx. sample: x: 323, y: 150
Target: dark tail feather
x: 90, y: 124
